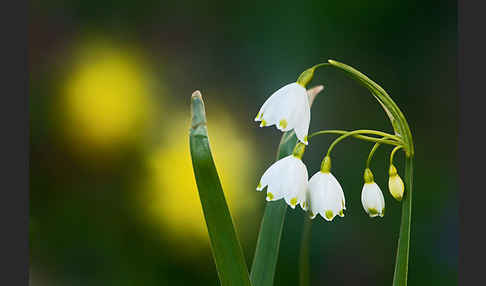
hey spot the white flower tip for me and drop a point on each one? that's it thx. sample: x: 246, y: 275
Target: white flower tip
x: 258, y: 117
x: 329, y: 215
x: 312, y: 215
x: 372, y: 212
x: 341, y: 213
x: 259, y: 187
x: 293, y: 202
x: 304, y: 140
x: 270, y: 197
x: 304, y: 205
x: 282, y: 124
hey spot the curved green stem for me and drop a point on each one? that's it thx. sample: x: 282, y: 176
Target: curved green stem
x: 397, y: 119
x: 362, y: 137
x: 372, y: 152
x: 351, y: 133
x: 392, y: 154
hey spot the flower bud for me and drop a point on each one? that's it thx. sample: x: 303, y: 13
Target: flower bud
x: 395, y: 184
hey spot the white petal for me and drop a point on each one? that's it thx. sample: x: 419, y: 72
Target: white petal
x: 271, y: 178
x: 286, y: 178
x: 339, y: 190
x: 372, y: 199
x: 326, y: 196
x: 295, y: 182
x: 288, y: 108
x: 301, y: 124
x: 279, y: 105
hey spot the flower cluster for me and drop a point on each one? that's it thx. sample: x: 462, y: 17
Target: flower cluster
x: 288, y: 109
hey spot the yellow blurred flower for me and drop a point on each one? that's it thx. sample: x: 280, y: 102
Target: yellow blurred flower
x: 173, y: 198
x: 107, y: 98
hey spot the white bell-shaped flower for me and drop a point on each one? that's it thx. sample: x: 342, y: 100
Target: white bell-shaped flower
x: 288, y: 108
x: 286, y: 178
x: 372, y: 197
x: 326, y: 196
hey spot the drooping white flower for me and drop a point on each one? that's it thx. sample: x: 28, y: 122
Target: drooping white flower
x: 288, y: 108
x: 372, y: 197
x: 395, y: 184
x: 326, y: 196
x: 286, y: 178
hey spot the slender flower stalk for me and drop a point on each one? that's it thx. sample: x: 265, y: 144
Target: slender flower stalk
x: 392, y: 141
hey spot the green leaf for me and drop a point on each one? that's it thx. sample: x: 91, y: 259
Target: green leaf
x: 225, y: 246
x: 268, y: 243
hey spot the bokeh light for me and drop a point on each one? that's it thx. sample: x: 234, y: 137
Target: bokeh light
x: 107, y: 99
x: 173, y: 200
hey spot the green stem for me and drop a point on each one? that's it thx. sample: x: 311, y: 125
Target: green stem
x: 351, y: 133
x: 372, y: 152
x: 393, y: 153
x: 304, y: 259
x: 362, y: 137
x: 401, y: 265
x: 397, y: 118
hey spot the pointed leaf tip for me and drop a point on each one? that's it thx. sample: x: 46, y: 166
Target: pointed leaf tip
x: 197, y: 93
x: 198, y: 113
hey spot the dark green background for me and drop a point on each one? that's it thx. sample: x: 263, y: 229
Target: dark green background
x: 253, y: 48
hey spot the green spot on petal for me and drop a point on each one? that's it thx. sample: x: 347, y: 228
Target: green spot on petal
x: 283, y: 123
x: 329, y: 214
x: 259, y: 186
x: 341, y: 213
x: 264, y: 123
x: 373, y: 211
x: 293, y: 201
x: 270, y: 196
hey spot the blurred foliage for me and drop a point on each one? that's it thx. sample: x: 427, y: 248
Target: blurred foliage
x: 112, y: 196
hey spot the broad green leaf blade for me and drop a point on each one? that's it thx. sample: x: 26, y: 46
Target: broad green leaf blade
x: 225, y: 246
x: 268, y: 243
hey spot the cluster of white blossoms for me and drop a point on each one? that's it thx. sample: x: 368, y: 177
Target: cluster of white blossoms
x: 288, y: 108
